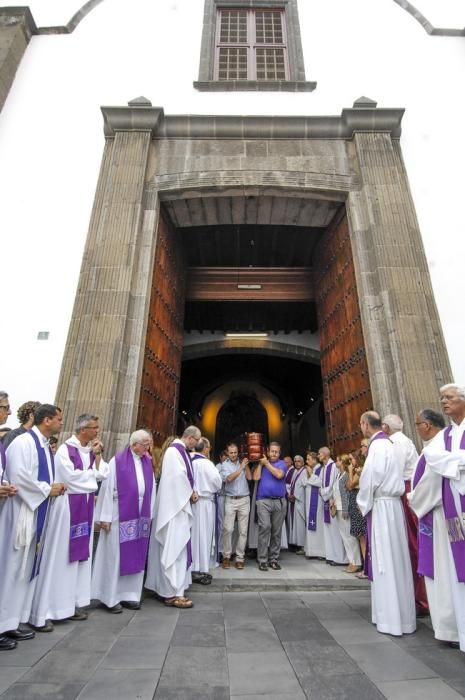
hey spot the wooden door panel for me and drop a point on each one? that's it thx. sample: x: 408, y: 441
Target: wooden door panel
x: 344, y: 369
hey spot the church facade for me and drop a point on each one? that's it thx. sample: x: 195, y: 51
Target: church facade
x: 273, y: 262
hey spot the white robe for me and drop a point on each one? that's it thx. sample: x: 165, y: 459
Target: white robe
x: 53, y: 602
x: 107, y: 584
x: 426, y: 497
x: 314, y: 539
x: 167, y: 572
x: 16, y: 591
x: 452, y: 466
x: 406, y: 454
x: 207, y: 482
x: 334, y: 546
x: 392, y: 594
x: 297, y: 525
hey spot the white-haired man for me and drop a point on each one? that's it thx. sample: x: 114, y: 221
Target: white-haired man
x: 445, y: 455
x: 67, y: 555
x: 334, y: 546
x: 124, y: 509
x: 407, y: 457
x: 170, y: 557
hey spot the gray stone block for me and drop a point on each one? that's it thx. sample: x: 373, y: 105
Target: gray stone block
x: 43, y: 691
x: 429, y: 689
x: 135, y: 653
x: 121, y: 684
x: 190, y: 667
x: 388, y: 663
x: 263, y: 673
x: 198, y: 636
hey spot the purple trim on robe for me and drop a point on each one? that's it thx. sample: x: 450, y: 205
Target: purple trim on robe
x: 313, y: 507
x: 289, y: 473
x: 2, y: 461
x: 454, y: 523
x: 81, y: 511
x: 425, y: 530
x: 134, y: 525
x: 43, y: 475
x: 367, y: 564
x: 295, y: 476
x: 190, y: 475
x: 326, y: 509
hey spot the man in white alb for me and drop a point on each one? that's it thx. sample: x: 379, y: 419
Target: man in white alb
x: 334, y: 546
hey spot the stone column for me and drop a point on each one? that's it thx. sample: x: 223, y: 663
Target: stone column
x: 16, y: 28
x: 406, y: 352
x: 104, y: 351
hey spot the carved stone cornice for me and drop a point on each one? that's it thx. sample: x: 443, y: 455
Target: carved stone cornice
x: 139, y: 115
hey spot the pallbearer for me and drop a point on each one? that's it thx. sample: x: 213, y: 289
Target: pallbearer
x: 125, y: 507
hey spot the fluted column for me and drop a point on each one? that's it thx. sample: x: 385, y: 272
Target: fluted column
x: 16, y: 28
x: 406, y: 353
x: 103, y: 356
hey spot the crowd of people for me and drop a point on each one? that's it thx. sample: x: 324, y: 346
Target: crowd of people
x: 167, y: 517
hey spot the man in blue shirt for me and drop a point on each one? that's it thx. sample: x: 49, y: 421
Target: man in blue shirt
x: 236, y: 504
x: 271, y: 507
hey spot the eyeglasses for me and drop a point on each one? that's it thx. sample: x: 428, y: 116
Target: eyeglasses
x: 422, y: 422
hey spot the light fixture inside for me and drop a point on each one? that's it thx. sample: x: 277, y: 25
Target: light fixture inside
x: 246, y: 335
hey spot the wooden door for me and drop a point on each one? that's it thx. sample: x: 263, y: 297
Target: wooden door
x: 344, y: 369
x: 164, y: 339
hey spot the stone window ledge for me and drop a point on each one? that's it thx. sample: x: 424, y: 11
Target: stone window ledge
x: 254, y: 85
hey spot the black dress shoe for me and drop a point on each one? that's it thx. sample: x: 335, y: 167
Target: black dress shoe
x: 7, y: 644
x: 115, y: 609
x: 130, y: 604
x: 454, y: 645
x: 79, y: 615
x: 48, y: 627
x: 20, y: 635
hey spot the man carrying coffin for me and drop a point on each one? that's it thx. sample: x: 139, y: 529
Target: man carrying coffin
x: 388, y: 560
x: 67, y: 555
x: 24, y: 518
x: 334, y: 547
x: 170, y: 557
x: 205, y: 533
x: 124, y: 509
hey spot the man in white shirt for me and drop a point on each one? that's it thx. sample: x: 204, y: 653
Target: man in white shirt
x: 237, y: 505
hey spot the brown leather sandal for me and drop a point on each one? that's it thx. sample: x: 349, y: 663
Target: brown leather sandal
x: 179, y: 602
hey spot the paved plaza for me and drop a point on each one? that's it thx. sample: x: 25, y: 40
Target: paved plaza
x: 286, y: 643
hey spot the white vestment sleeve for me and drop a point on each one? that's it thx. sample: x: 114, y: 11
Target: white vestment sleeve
x: 105, y: 500
x: 21, y: 470
x: 75, y: 480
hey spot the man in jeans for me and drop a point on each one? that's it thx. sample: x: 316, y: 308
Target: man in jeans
x: 271, y: 508
x: 236, y: 504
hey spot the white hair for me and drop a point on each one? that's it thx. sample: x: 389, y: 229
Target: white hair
x: 139, y: 436
x: 457, y: 387
x: 394, y: 422
x: 192, y: 431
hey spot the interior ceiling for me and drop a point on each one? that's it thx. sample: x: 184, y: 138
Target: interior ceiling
x: 249, y: 316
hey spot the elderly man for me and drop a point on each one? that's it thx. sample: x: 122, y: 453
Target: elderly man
x: 170, y: 558
x: 296, y: 498
x: 433, y: 539
x: 24, y: 518
x: 25, y: 415
x: 407, y: 458
x: 205, y: 534
x: 445, y: 455
x: 271, y: 507
x: 236, y: 505
x: 388, y: 561
x: 67, y: 556
x: 334, y: 546
x: 125, y: 507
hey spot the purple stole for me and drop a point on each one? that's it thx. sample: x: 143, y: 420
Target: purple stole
x: 313, y: 508
x: 326, y: 511
x: 190, y: 475
x: 2, y: 461
x: 43, y: 475
x: 289, y: 473
x: 295, y: 476
x: 367, y: 565
x: 134, y: 526
x: 81, y: 510
x: 455, y: 526
x: 425, y: 530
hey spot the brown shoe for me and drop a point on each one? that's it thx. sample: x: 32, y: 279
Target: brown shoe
x: 239, y: 564
x: 226, y: 563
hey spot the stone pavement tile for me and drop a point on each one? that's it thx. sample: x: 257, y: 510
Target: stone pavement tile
x: 354, y: 631
x: 337, y: 611
x: 43, y: 691
x: 121, y: 684
x: 300, y: 695
x: 136, y: 652
x: 282, y: 601
x: 206, y: 601
x: 430, y: 689
x: 311, y: 658
x: 56, y: 667
x: 198, y: 636
x: 153, y: 626
x: 446, y: 662
x: 457, y: 684
x: 295, y: 625
x: 29, y: 652
x: 349, y: 687
x: 387, y: 662
x: 104, y: 621
x: 191, y: 667
x: 252, y: 636
x: 86, y: 640
x: 199, y: 692
x: 8, y: 676
x: 424, y: 636
x: 262, y: 673
x: 199, y: 617
x: 319, y: 597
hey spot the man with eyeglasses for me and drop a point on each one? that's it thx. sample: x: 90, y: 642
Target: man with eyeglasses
x: 124, y: 510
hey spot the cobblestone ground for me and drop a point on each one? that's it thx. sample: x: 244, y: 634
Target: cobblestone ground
x: 294, y: 644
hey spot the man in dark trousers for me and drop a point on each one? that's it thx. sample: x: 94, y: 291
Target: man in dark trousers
x: 271, y: 507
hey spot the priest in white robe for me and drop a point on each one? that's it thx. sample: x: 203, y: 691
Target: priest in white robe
x: 205, y: 530
x: 334, y: 547
x: 388, y: 560
x: 124, y: 510
x: 24, y: 517
x: 170, y: 553
x: 445, y: 455
x: 425, y: 499
x: 314, y: 534
x: 296, y: 505
x: 67, y: 555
